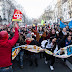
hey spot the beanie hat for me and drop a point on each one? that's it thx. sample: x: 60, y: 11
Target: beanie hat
x: 28, y: 35
x: 3, y: 35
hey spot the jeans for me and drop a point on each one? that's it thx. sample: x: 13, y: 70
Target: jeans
x: 33, y: 58
x: 20, y: 57
x: 9, y: 69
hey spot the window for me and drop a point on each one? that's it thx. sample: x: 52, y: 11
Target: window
x: 63, y: 1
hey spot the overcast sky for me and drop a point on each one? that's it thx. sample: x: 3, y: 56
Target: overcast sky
x: 34, y: 8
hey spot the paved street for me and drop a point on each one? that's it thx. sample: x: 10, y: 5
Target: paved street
x: 70, y: 60
x: 59, y: 67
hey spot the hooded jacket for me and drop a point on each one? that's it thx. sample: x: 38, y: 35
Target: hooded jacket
x: 6, y: 47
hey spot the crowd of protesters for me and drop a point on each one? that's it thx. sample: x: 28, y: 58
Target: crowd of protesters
x: 12, y: 37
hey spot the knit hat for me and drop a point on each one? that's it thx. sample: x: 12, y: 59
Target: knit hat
x: 28, y: 35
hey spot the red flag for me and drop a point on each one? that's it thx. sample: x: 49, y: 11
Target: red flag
x: 17, y: 15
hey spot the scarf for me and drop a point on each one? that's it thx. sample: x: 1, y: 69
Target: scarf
x: 28, y: 42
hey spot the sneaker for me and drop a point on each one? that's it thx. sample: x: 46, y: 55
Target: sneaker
x: 46, y: 62
x: 51, y: 67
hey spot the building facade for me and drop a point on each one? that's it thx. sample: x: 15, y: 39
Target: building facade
x: 7, y: 10
x: 63, y: 10
x: 70, y: 8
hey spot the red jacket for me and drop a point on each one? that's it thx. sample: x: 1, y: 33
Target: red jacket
x: 6, y: 48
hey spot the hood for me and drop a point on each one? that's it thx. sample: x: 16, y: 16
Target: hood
x: 3, y: 38
x: 3, y: 35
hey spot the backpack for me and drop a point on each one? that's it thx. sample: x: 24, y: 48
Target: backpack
x: 43, y: 43
x: 46, y: 44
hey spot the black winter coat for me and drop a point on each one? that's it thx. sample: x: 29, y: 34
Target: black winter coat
x: 61, y: 44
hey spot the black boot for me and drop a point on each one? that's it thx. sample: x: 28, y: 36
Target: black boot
x: 21, y: 67
x: 36, y: 63
x: 31, y: 63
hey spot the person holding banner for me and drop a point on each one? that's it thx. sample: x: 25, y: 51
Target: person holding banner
x: 5, y: 50
x: 65, y: 42
x: 32, y: 56
x: 20, y: 56
x: 50, y: 45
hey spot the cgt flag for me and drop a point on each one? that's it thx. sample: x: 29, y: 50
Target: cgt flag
x: 17, y: 15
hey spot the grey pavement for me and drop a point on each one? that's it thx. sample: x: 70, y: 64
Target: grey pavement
x: 59, y: 66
